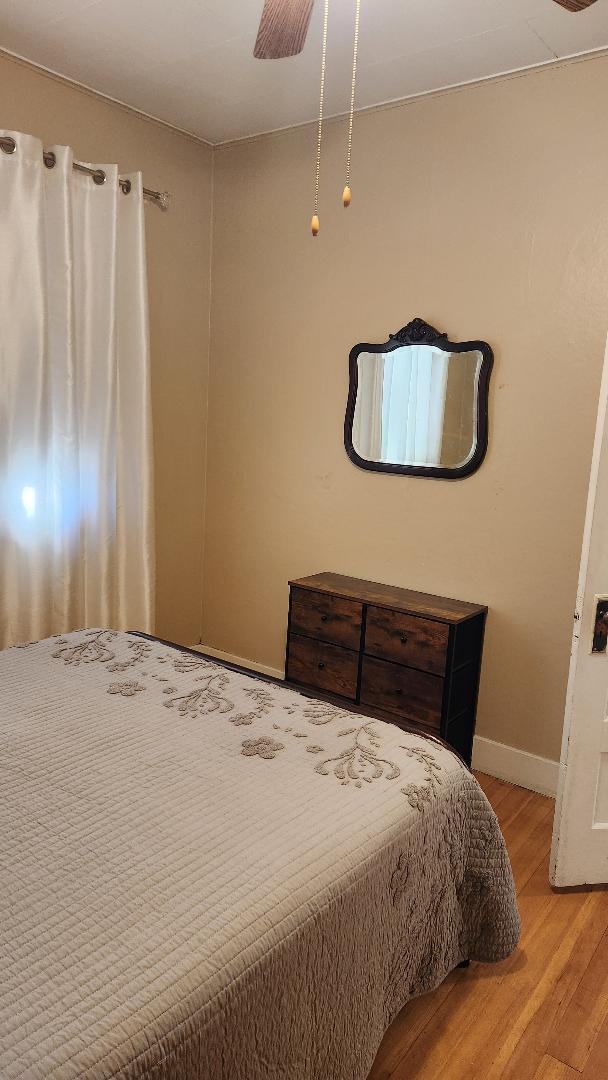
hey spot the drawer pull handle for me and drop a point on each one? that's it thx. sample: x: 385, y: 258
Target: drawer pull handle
x: 323, y: 618
x: 321, y: 665
x: 398, y: 690
x: 403, y: 639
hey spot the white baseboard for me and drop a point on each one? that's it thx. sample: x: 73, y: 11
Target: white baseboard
x: 505, y: 762
x: 516, y: 766
x: 239, y: 660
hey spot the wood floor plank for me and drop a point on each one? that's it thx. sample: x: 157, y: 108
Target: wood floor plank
x: 408, y: 1025
x: 458, y: 1039
x: 530, y: 839
x: 519, y: 816
x: 597, y: 1064
x: 523, y: 1035
x: 574, y: 1035
x: 550, y: 1069
x: 492, y: 787
x: 517, y: 1023
x: 484, y: 780
x: 501, y: 1043
x: 515, y: 800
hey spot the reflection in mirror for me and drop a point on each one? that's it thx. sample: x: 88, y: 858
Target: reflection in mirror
x: 417, y: 405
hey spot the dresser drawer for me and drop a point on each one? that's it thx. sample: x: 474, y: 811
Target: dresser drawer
x: 406, y: 639
x: 322, y: 666
x: 412, y: 694
x: 328, y: 618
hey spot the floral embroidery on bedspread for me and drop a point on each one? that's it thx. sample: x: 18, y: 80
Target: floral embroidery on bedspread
x: 322, y: 712
x: 186, y: 662
x: 264, y: 701
x: 139, y: 651
x: 126, y: 689
x: 358, y: 765
x: 264, y: 747
x: 204, y: 699
x: 93, y: 647
x: 419, y: 794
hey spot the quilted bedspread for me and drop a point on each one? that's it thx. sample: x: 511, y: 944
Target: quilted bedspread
x: 204, y: 875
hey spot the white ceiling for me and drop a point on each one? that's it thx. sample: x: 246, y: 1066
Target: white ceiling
x: 190, y: 62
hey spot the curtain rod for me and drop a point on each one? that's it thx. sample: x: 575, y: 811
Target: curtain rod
x: 161, y: 198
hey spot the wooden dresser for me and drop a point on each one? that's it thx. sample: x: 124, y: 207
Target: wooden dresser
x: 404, y: 656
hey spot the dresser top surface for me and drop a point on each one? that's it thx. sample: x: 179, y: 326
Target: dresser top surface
x: 389, y: 596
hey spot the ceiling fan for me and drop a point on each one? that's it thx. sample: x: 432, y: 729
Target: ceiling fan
x: 575, y: 5
x: 284, y: 26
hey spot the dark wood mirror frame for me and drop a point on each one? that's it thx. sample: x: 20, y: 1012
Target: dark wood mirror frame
x: 419, y: 332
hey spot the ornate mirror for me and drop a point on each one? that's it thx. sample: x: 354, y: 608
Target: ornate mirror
x: 418, y: 404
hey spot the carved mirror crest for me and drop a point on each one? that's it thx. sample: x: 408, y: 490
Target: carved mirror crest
x: 418, y: 404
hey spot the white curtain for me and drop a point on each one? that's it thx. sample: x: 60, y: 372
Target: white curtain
x: 76, y: 506
x: 413, y: 405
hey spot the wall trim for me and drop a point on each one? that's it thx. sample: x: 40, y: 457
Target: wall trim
x: 497, y: 759
x: 240, y: 661
x: 412, y: 99
x: 50, y: 73
x: 381, y: 106
x: 516, y: 766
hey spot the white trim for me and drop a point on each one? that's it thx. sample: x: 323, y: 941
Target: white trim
x: 505, y: 762
x: 438, y: 91
x: 516, y: 766
x: 241, y: 661
x: 85, y: 89
x: 391, y: 103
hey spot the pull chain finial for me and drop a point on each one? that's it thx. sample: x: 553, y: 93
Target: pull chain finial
x: 314, y: 224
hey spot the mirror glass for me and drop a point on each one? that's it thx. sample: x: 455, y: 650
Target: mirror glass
x: 417, y: 405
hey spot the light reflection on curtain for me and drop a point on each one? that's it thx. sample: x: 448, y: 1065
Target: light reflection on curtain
x: 76, y: 524
x: 400, y: 405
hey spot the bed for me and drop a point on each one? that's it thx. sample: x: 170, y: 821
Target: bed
x: 208, y: 875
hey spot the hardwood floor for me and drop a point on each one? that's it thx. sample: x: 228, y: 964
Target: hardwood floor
x: 540, y: 1015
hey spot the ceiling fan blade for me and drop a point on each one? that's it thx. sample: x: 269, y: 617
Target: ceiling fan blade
x: 575, y: 5
x: 283, y: 28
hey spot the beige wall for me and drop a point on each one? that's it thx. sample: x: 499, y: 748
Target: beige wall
x: 484, y: 210
x: 178, y: 266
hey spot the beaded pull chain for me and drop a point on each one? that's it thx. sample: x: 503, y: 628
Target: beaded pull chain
x: 314, y: 224
x: 347, y: 194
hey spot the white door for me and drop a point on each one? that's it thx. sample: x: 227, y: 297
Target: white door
x: 580, y: 833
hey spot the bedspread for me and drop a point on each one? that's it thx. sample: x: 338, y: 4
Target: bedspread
x: 205, y: 875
